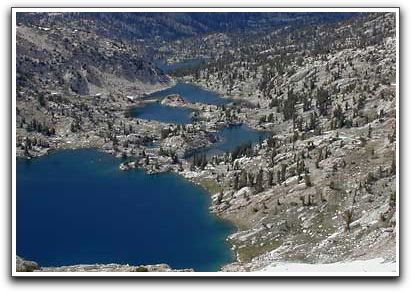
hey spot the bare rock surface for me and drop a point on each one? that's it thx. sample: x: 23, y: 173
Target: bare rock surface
x: 23, y: 265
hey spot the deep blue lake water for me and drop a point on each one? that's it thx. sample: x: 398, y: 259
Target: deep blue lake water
x: 77, y: 207
x: 163, y: 113
x: 229, y: 138
x: 191, y: 93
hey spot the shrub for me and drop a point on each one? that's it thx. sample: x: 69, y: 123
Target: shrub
x: 348, y: 218
x: 393, y: 199
x: 141, y: 269
x: 307, y: 181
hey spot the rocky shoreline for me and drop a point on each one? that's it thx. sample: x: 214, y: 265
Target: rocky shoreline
x: 150, y: 159
x: 230, y: 205
x: 23, y: 265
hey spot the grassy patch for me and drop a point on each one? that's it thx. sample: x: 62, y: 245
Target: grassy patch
x: 248, y: 252
x: 141, y: 269
x: 210, y: 185
x: 336, y: 185
x: 326, y: 223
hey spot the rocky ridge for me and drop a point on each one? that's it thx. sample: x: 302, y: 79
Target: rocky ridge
x: 322, y: 188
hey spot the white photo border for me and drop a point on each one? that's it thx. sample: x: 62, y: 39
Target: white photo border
x: 15, y: 10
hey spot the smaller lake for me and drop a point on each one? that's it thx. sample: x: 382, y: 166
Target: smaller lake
x: 231, y: 137
x: 176, y: 115
x: 191, y: 93
x: 163, y: 113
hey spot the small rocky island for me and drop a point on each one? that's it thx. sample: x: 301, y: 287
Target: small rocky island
x: 174, y: 100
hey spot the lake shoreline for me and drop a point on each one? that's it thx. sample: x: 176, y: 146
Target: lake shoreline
x: 204, y: 191
x: 203, y: 183
x: 206, y: 187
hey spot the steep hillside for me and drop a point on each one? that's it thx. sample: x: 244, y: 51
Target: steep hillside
x: 160, y: 26
x: 72, y: 81
x: 323, y: 187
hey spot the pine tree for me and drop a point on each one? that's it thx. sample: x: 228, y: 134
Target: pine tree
x: 259, y: 181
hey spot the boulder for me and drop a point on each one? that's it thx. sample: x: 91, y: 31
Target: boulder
x: 23, y: 265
